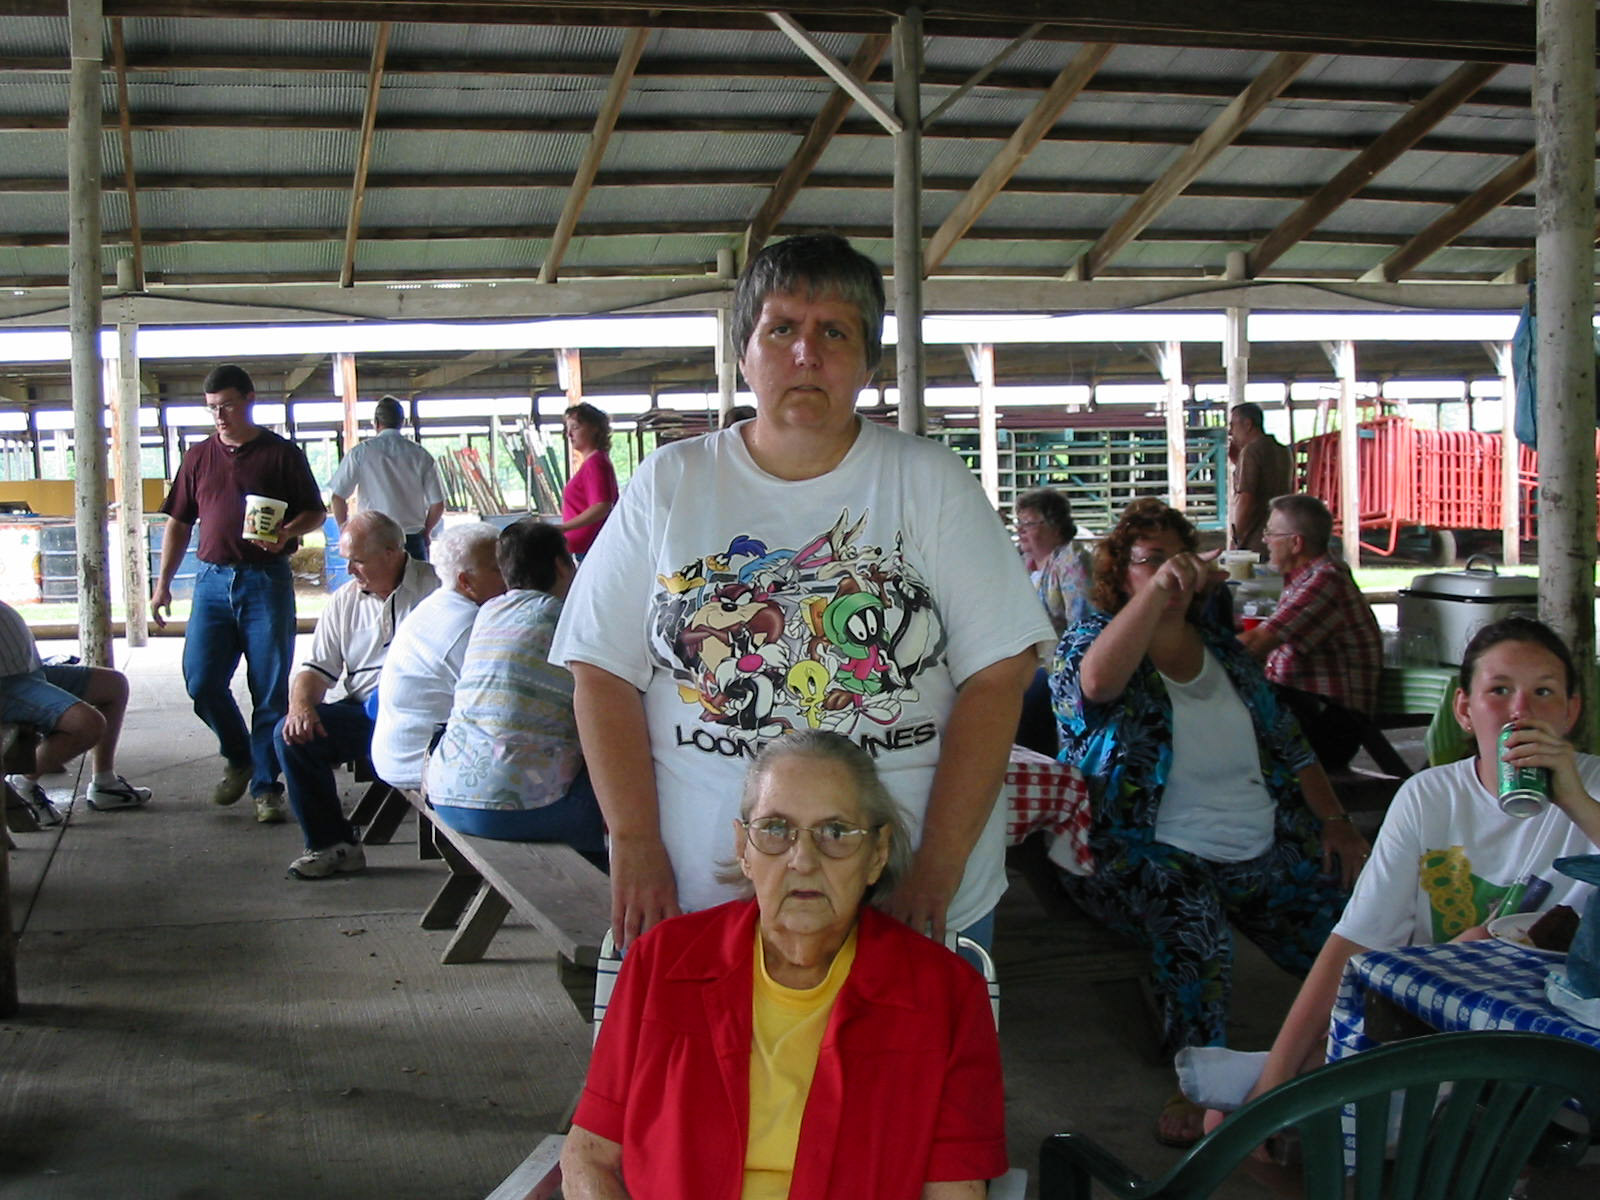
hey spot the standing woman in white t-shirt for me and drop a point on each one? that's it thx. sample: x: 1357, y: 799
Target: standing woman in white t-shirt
x: 807, y: 569
x: 1209, y: 806
x: 1447, y: 859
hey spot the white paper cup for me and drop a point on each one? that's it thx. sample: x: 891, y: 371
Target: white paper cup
x: 262, y: 516
x: 1239, y: 564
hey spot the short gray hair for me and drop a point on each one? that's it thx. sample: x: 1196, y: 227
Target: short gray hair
x: 1309, y: 517
x: 381, y: 531
x: 817, y: 264
x: 455, y: 548
x: 878, y: 807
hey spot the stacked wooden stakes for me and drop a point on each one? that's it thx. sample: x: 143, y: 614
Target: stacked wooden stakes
x: 468, y: 485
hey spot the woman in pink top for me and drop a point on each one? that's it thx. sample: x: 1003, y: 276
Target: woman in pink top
x: 592, y: 490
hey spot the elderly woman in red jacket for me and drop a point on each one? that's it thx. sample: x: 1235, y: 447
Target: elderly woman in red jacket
x: 799, y: 1043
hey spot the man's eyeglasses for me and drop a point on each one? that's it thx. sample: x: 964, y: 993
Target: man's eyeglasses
x: 833, y: 839
x: 225, y: 406
x: 1024, y: 525
x: 1269, y: 534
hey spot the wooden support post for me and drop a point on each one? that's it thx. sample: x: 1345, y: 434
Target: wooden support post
x: 344, y: 366
x: 1170, y: 356
x: 980, y: 360
x: 125, y: 439
x: 1510, y: 490
x: 908, y: 218
x: 1343, y: 356
x: 1564, y: 112
x: 727, y: 356
x: 88, y: 397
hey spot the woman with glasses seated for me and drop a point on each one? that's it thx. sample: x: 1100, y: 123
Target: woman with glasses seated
x: 1208, y: 804
x: 1059, y: 569
x: 797, y: 1043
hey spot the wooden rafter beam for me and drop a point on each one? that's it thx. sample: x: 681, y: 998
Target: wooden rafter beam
x: 358, y: 185
x: 837, y: 72
x: 465, y: 367
x: 981, y: 75
x: 1497, y: 32
x: 761, y: 177
x: 798, y: 169
x: 1398, y: 94
x: 605, y: 121
x: 1062, y: 92
x: 722, y: 228
x: 119, y: 55
x: 300, y: 372
x: 1362, y: 169
x: 966, y: 131
x: 1448, y: 227
x: 1221, y: 133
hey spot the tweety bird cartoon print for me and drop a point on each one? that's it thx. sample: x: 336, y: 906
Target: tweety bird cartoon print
x: 830, y: 634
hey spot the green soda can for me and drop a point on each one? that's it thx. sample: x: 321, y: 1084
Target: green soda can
x: 1524, y: 791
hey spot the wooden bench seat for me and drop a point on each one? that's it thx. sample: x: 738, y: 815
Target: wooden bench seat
x: 548, y: 884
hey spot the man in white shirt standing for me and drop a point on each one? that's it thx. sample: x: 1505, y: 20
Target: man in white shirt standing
x: 418, y: 682
x: 352, y: 638
x: 395, y: 476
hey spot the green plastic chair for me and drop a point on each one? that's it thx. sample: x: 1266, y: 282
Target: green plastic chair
x: 1506, y: 1088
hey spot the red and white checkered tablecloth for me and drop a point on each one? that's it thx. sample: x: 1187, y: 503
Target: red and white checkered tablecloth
x: 1042, y: 794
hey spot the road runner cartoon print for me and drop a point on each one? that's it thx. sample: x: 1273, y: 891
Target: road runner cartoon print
x: 832, y: 634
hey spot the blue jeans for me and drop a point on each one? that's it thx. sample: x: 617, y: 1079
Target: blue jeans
x: 574, y: 819
x: 417, y: 546
x: 308, y: 771
x: 246, y: 610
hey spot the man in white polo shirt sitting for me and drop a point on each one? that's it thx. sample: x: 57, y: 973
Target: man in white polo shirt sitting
x: 352, y: 638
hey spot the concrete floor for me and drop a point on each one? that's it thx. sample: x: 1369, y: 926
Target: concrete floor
x: 197, y: 1026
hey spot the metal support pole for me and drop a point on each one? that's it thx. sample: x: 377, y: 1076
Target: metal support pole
x: 1564, y: 112
x: 84, y: 276
x: 130, y: 486
x: 727, y: 356
x: 908, y: 218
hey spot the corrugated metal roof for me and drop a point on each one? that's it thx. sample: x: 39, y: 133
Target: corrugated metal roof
x: 449, y: 207
x: 699, y: 150
x: 1146, y: 98
x: 220, y: 152
x: 231, y: 40
x: 402, y: 152
x: 33, y: 93
x: 34, y: 36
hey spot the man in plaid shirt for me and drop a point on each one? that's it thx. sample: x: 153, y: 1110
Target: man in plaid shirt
x: 1321, y: 645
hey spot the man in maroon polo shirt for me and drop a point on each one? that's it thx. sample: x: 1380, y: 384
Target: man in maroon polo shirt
x: 244, y: 594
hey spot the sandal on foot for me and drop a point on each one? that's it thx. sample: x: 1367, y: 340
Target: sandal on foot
x: 1181, y: 1124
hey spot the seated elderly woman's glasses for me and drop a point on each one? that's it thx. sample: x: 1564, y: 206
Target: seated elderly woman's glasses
x: 835, y: 839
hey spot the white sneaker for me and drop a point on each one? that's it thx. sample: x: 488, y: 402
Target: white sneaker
x: 340, y: 858
x: 34, y: 799
x: 120, y: 794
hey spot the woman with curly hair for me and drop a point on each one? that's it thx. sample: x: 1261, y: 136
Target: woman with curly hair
x: 1209, y: 806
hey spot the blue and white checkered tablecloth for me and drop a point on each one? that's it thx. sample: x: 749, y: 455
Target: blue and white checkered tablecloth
x: 1452, y: 986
